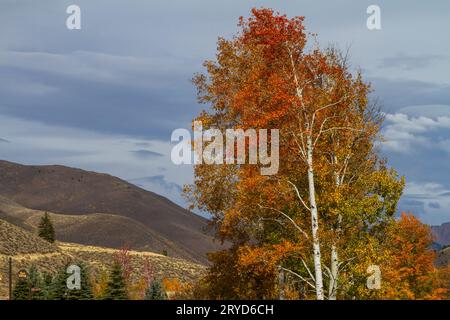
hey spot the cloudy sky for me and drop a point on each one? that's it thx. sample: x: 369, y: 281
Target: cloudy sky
x: 108, y: 96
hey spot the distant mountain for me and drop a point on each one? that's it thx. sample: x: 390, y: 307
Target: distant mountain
x: 116, y: 209
x: 442, y: 234
x: 443, y: 257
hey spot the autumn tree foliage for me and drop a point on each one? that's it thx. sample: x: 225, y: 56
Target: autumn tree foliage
x: 442, y: 278
x: 409, y: 271
x: 123, y: 258
x: 332, y: 193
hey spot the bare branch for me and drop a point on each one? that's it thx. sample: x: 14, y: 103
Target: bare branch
x: 344, y: 169
x: 302, y: 151
x: 330, y: 104
x: 298, y: 276
x: 342, y: 128
x: 328, y: 272
x: 287, y: 217
x: 298, y: 195
x: 321, y: 130
x: 342, y: 263
x: 307, y: 269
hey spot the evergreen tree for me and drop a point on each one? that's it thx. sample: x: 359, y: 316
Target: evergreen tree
x: 58, y: 286
x: 47, y: 280
x: 46, y: 230
x: 21, y: 290
x: 116, y: 288
x: 155, y: 291
x: 85, y: 291
x: 36, y: 284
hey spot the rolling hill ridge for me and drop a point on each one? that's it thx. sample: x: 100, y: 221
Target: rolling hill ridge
x: 114, y: 231
x: 104, y: 205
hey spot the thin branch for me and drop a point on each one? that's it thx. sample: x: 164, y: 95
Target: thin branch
x: 297, y: 85
x: 300, y: 125
x: 287, y: 217
x: 299, y: 276
x: 330, y: 104
x: 328, y: 272
x: 342, y: 128
x: 321, y: 130
x: 345, y: 262
x: 307, y: 269
x: 298, y: 195
x: 344, y: 169
x: 332, y: 284
x: 302, y: 151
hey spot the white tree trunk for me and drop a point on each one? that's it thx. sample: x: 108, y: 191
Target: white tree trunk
x: 314, y: 222
x: 281, y: 283
x: 334, y: 265
x: 332, y: 291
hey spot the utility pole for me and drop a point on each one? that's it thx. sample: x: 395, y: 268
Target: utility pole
x: 10, y: 277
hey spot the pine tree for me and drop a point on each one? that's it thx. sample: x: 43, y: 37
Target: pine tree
x: 21, y: 290
x: 58, y: 286
x: 85, y: 292
x: 116, y: 289
x: 46, y: 230
x: 36, y: 284
x: 47, y: 280
x: 155, y: 291
x: 57, y: 289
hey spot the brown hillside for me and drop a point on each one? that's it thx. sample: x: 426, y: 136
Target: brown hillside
x: 14, y: 240
x: 76, y: 192
x: 115, y: 232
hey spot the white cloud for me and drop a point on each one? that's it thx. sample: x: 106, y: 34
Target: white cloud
x: 404, y: 133
x: 428, y: 200
x: 425, y: 190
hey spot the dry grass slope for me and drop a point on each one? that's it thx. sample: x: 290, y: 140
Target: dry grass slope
x: 99, y: 229
x: 27, y: 249
x: 14, y: 240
